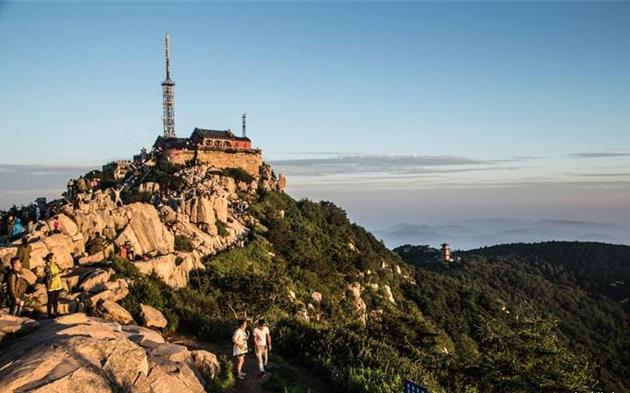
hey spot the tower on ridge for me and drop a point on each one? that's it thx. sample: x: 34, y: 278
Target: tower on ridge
x: 168, y: 95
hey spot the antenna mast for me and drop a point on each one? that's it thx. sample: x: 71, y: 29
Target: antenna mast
x: 168, y: 95
x: 245, y: 125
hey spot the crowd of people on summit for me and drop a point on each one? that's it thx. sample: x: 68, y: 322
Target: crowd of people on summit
x: 20, y: 226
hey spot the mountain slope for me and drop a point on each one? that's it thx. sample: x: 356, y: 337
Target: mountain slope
x: 567, y: 281
x: 359, y: 315
x: 215, y: 245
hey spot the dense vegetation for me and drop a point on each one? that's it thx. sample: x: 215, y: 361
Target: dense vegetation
x: 568, y: 282
x: 484, y: 324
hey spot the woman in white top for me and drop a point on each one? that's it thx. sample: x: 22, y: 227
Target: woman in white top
x: 239, y: 339
x: 262, y: 343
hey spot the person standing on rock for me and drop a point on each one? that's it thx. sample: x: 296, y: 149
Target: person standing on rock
x: 56, y: 225
x: 117, y: 200
x: 52, y: 279
x: 239, y: 339
x: 18, y: 229
x: 16, y: 286
x: 262, y: 342
x: 24, y: 253
x: 96, y: 244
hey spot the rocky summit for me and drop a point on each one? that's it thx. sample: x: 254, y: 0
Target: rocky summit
x: 162, y: 227
x: 77, y: 353
x: 207, y: 211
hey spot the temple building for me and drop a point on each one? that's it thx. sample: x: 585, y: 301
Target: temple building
x: 220, y: 139
x: 218, y: 148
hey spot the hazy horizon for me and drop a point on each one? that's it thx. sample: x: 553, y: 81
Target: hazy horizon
x: 417, y: 113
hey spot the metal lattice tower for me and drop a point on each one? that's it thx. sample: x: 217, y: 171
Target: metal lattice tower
x: 168, y: 96
x: 245, y: 124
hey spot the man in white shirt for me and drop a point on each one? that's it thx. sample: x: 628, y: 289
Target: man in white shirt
x: 239, y: 339
x: 262, y: 342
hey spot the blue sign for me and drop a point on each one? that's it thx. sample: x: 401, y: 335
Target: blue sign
x: 411, y: 387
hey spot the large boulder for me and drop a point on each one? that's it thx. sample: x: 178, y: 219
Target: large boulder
x: 173, y: 269
x: 98, y: 256
x: 68, y: 226
x: 316, y: 297
x: 206, y: 362
x: 152, y: 317
x: 200, y: 211
x: 113, y: 291
x: 29, y: 276
x: 282, y: 182
x: 38, y: 298
x: 10, y: 324
x: 70, y: 303
x: 6, y: 253
x: 59, y: 244
x: 114, y: 312
x: 146, y: 233
x: 75, y: 353
x: 221, y: 208
x: 388, y: 294
x: 360, y: 308
x: 95, y: 280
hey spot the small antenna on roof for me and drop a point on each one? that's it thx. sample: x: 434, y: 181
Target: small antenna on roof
x: 245, y: 124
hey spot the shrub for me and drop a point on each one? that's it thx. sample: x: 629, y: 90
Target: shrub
x: 285, y: 381
x: 222, y: 228
x: 132, y: 196
x: 183, y: 243
x: 163, y: 173
x: 238, y: 174
x: 224, y: 382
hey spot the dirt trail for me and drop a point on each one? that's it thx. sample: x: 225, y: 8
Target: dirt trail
x: 252, y: 382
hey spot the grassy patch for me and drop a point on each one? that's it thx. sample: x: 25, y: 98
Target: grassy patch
x: 222, y: 228
x: 182, y: 243
x: 238, y: 174
x: 286, y: 381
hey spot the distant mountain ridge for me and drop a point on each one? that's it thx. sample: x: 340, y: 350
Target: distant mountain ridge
x: 469, y: 234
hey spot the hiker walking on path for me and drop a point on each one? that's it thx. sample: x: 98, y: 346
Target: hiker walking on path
x: 239, y: 339
x: 262, y: 342
x: 52, y: 279
x: 16, y: 286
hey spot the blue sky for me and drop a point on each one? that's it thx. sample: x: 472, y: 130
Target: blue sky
x: 397, y: 99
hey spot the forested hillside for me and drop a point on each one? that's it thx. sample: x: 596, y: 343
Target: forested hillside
x: 582, y: 288
x: 346, y: 307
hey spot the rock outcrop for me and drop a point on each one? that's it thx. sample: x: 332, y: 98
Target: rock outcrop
x: 113, y: 311
x: 209, y: 211
x: 173, y: 269
x: 76, y: 353
x: 360, y: 308
x: 145, y: 231
x: 10, y: 324
x: 152, y: 317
